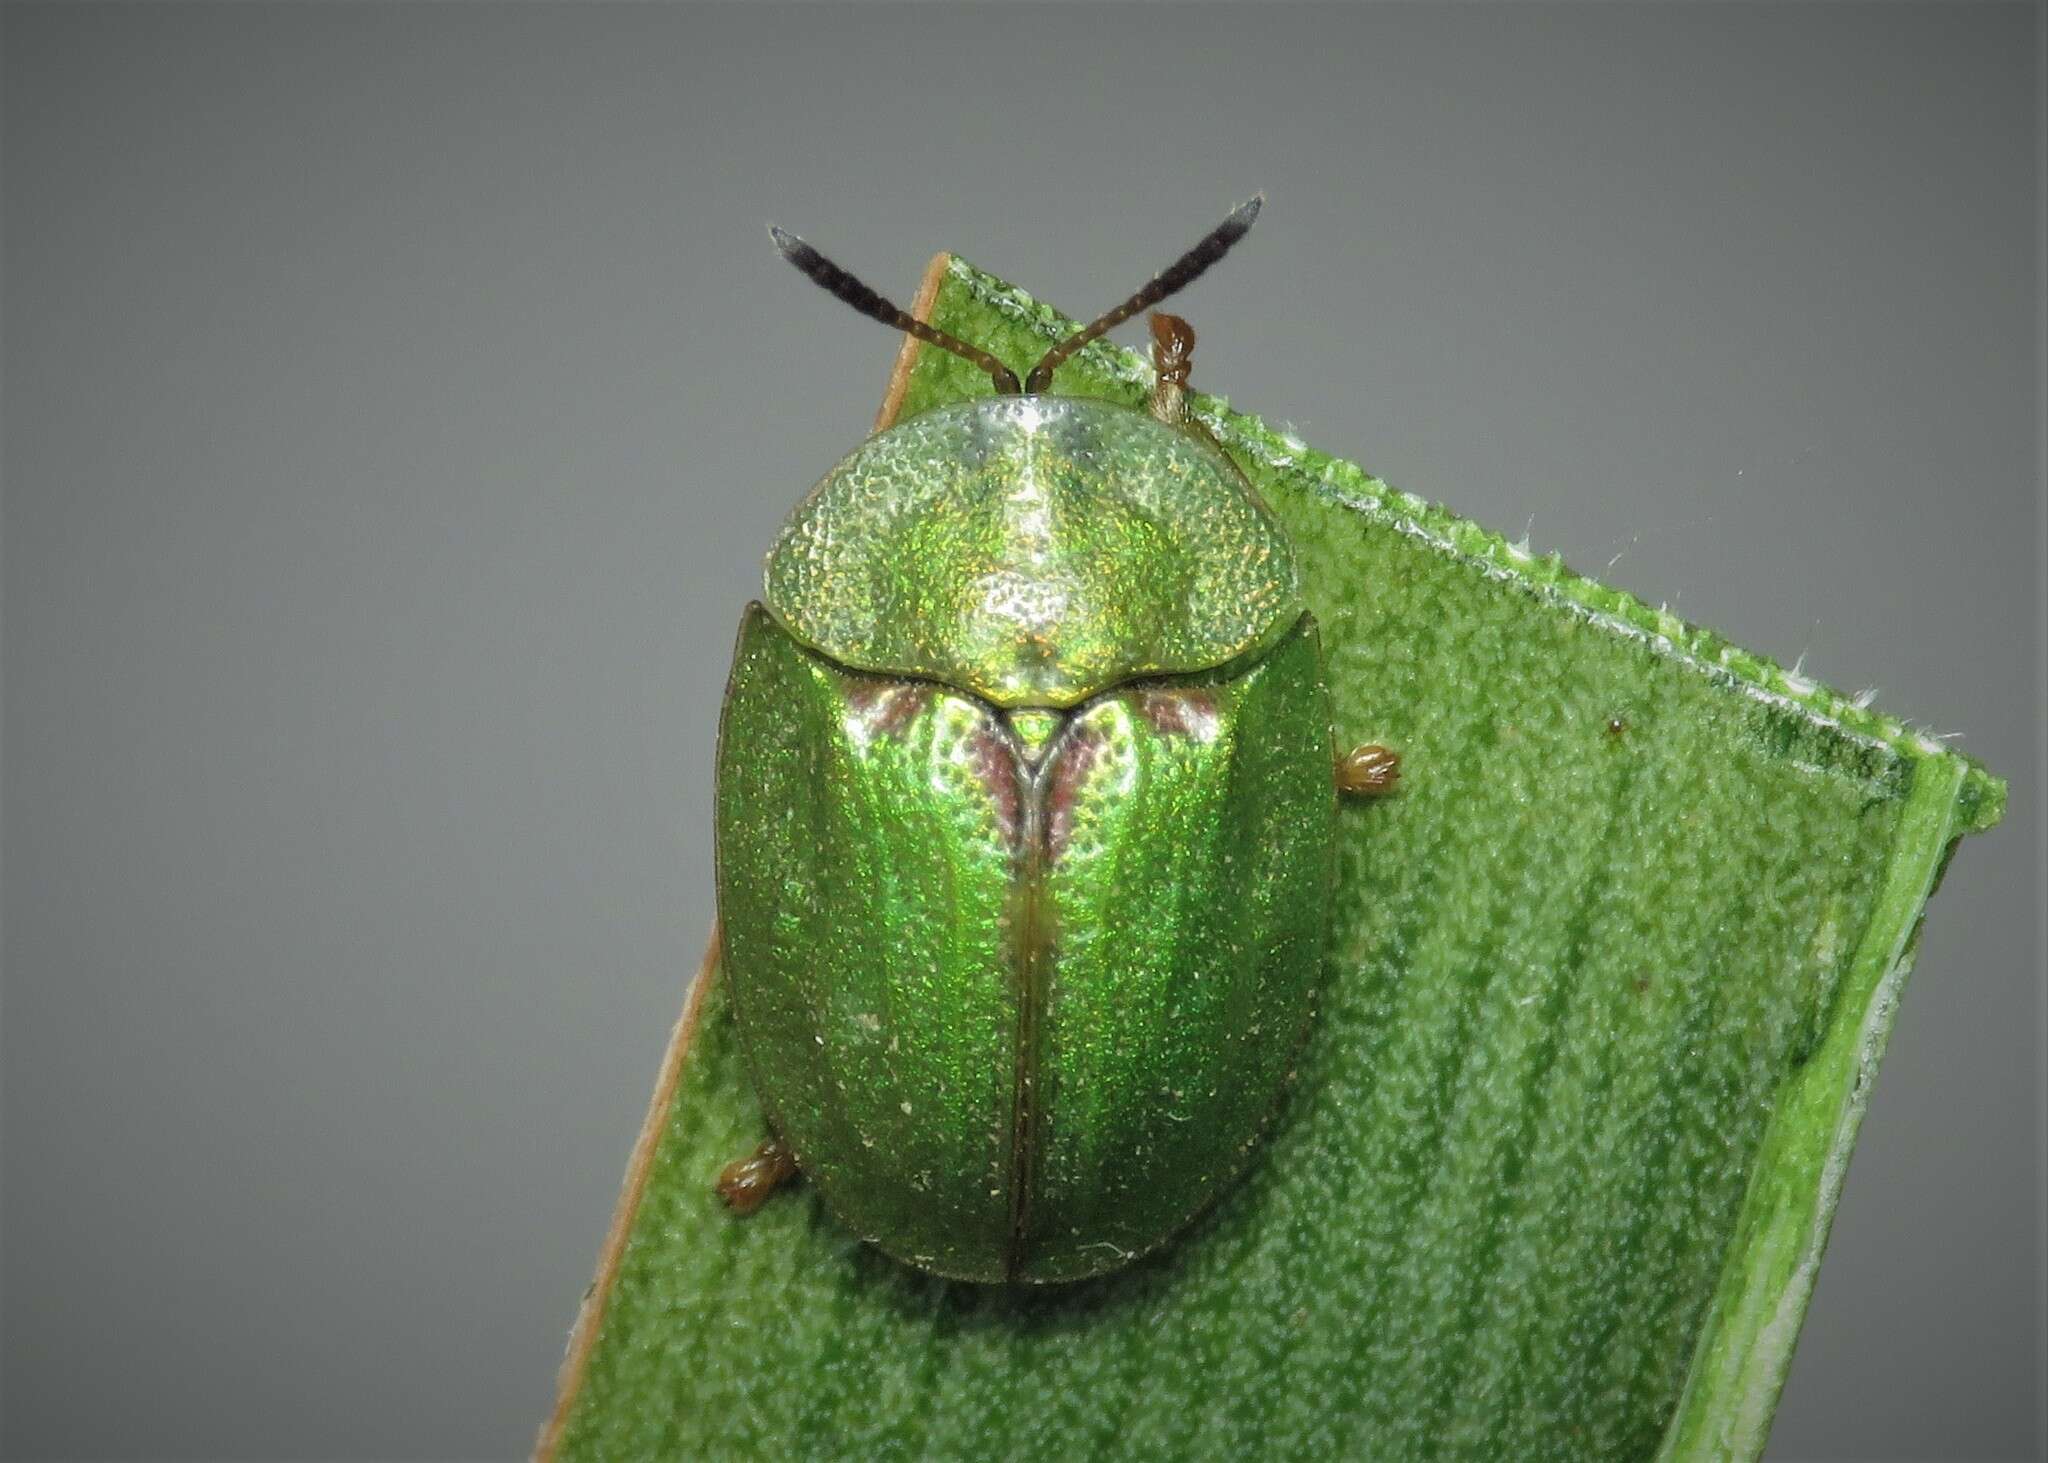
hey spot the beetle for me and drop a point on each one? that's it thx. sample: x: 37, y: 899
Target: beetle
x: 1026, y: 809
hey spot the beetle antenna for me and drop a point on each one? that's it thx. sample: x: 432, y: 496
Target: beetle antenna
x: 843, y: 286
x: 1177, y: 276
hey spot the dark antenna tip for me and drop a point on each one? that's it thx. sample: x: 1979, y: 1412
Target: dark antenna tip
x: 820, y: 269
x: 850, y: 291
x: 1176, y: 277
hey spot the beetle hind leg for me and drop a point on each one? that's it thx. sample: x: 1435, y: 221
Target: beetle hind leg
x: 1368, y: 771
x: 746, y: 1183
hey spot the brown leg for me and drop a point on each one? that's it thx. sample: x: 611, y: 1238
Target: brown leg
x: 1173, y: 356
x: 746, y: 1184
x: 1368, y: 771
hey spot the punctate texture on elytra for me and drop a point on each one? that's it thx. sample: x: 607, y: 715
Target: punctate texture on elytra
x: 1034, y: 550
x: 1022, y: 991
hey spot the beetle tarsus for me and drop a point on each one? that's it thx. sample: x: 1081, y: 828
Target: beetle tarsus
x: 746, y: 1183
x: 1368, y: 771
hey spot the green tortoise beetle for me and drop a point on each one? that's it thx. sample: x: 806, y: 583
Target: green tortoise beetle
x: 1025, y: 819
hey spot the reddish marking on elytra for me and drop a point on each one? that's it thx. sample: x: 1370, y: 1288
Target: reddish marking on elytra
x: 1178, y: 713
x: 995, y: 768
x: 1072, y: 760
x: 887, y: 707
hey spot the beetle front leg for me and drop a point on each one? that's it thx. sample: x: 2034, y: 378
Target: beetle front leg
x: 1368, y: 771
x: 1173, y: 355
x: 746, y: 1183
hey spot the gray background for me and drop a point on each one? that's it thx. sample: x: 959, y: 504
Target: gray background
x: 397, y: 400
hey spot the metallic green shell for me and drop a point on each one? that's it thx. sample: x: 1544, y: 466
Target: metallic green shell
x: 1021, y: 1020
x: 1034, y: 550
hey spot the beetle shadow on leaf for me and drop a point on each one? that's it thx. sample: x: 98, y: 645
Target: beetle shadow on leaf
x: 953, y: 1307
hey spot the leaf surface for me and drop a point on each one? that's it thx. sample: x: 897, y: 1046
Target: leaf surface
x: 1610, y: 979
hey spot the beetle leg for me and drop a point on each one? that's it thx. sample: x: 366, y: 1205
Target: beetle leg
x: 1368, y: 771
x: 746, y: 1183
x: 1173, y: 356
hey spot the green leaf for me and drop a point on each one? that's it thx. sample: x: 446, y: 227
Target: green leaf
x: 1611, y: 976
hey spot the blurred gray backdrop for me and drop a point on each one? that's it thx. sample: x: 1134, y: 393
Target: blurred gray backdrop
x: 397, y: 401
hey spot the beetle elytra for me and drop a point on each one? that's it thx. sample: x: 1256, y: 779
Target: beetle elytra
x: 1025, y: 819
